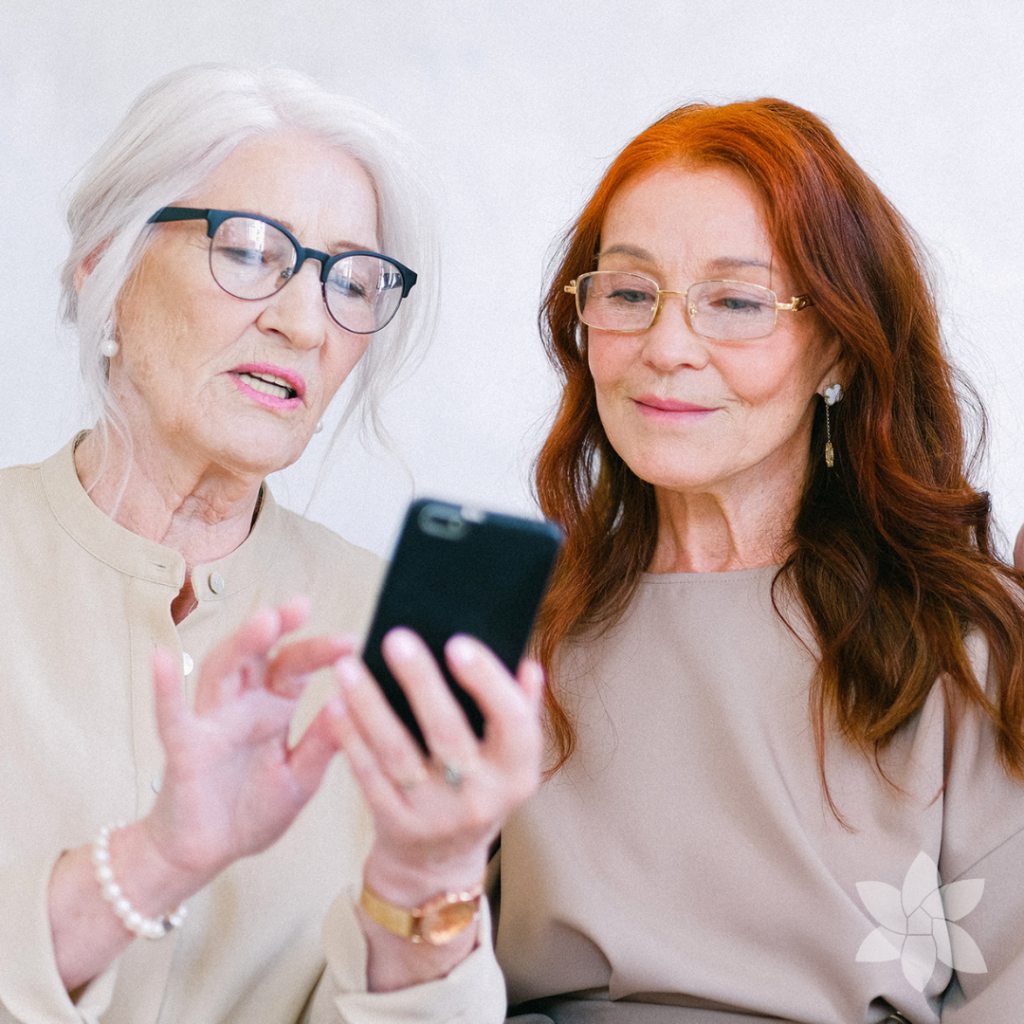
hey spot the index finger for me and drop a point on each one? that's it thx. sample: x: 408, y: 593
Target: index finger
x: 226, y: 668
x: 287, y: 672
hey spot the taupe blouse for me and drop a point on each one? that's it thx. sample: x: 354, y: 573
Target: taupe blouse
x: 687, y: 856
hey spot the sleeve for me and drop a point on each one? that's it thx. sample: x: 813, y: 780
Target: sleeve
x: 987, y: 941
x: 980, y: 866
x: 31, y: 990
x: 473, y: 993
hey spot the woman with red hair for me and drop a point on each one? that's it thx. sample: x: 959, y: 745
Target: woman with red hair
x: 787, y: 670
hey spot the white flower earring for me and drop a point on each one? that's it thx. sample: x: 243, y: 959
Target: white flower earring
x: 108, y: 346
x: 833, y: 393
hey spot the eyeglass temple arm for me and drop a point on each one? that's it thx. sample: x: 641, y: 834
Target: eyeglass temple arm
x: 169, y: 213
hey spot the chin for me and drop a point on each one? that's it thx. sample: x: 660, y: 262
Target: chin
x: 264, y: 452
x: 677, y: 478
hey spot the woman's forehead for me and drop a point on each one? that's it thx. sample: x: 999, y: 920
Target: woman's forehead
x: 709, y: 220
x: 315, y: 188
x: 681, y: 198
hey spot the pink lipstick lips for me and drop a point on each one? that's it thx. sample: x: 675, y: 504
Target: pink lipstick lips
x: 669, y: 409
x: 272, y: 386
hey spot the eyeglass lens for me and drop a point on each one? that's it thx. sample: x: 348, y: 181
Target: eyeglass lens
x: 252, y: 259
x: 725, y: 310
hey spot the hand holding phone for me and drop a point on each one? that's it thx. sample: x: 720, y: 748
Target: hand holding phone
x: 460, y: 570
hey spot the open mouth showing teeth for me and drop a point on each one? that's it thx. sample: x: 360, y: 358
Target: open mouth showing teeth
x: 268, y: 384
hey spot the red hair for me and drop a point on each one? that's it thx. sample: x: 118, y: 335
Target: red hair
x: 890, y: 550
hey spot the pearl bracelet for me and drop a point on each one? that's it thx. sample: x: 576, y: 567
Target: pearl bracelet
x: 148, y: 927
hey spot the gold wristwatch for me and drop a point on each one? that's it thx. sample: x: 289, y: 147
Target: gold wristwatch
x: 436, y: 922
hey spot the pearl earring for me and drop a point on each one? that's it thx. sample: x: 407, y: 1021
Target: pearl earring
x: 833, y: 393
x: 319, y: 426
x: 108, y: 346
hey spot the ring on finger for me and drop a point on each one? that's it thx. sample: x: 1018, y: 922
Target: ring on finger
x: 454, y: 774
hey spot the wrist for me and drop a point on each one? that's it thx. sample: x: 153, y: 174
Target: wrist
x: 112, y: 891
x: 410, y: 884
x: 152, y: 882
x: 437, y: 922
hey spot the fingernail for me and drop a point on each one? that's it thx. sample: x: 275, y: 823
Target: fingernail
x: 401, y: 644
x: 461, y: 649
x: 348, y: 671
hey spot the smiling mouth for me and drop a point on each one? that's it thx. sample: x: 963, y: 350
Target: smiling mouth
x: 268, y: 384
x: 670, y: 405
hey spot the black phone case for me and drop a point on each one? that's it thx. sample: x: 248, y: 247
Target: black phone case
x: 459, y: 570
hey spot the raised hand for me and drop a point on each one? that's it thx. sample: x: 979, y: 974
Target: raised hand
x: 231, y: 785
x: 436, y: 817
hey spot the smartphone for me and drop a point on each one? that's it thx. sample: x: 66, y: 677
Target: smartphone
x: 458, y: 569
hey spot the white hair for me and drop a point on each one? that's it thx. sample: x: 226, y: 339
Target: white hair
x: 175, y: 134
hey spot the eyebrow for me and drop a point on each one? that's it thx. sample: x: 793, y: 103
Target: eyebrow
x: 337, y: 247
x: 626, y: 250
x: 721, y: 263
x: 737, y: 263
x: 259, y: 213
x: 340, y: 247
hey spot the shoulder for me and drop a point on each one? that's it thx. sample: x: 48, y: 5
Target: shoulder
x: 17, y: 481
x: 303, y: 538
x: 14, y: 474
x: 23, y: 500
x: 984, y: 801
x: 336, y: 574
x: 41, y: 484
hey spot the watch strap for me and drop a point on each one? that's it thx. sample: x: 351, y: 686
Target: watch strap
x: 415, y: 923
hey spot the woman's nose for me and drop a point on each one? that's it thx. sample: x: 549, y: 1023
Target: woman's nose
x: 297, y: 309
x: 670, y: 341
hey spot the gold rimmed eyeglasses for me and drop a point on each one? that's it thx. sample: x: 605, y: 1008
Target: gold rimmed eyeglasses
x: 723, y: 310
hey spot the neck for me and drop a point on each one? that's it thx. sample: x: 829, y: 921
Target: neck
x: 722, y: 531
x: 200, y: 510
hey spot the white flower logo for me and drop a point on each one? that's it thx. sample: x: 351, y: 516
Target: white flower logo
x: 916, y: 925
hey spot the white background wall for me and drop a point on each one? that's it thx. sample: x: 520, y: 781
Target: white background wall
x: 520, y: 105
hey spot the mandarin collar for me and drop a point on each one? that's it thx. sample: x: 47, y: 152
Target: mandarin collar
x: 136, y: 556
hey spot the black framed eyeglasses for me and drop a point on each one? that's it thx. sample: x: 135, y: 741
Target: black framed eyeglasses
x: 252, y: 257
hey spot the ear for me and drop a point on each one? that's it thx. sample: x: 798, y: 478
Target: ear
x: 87, y: 266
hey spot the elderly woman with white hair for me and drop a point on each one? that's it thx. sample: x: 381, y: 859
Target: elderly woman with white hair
x: 239, y: 247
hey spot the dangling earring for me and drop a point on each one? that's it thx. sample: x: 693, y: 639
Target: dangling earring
x: 833, y: 393
x: 319, y: 426
x: 108, y: 346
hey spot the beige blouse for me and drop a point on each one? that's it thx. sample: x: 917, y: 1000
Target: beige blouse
x: 686, y: 855
x: 82, y: 604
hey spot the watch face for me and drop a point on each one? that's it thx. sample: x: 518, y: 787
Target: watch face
x: 442, y: 925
